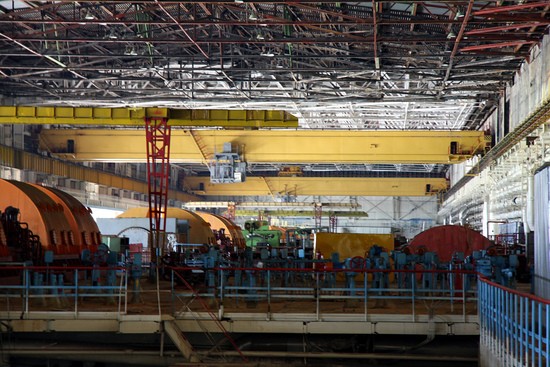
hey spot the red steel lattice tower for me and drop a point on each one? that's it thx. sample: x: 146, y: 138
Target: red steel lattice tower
x: 157, y: 133
x: 333, y: 223
x: 318, y: 210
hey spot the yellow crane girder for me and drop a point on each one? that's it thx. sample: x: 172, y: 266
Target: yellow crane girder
x: 268, y: 146
x: 20, y: 159
x: 299, y: 213
x: 136, y: 116
x: 319, y: 186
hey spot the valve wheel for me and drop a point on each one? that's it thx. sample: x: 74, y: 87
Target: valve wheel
x: 357, y: 263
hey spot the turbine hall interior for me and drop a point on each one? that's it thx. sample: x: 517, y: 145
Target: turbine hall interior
x: 264, y: 183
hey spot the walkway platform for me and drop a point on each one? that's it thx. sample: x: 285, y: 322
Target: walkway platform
x: 178, y: 314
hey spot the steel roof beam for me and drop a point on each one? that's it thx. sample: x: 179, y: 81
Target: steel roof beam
x: 267, y: 22
x: 305, y: 40
x: 510, y: 9
x: 496, y: 45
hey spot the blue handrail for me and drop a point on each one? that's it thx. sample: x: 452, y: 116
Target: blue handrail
x: 513, y: 327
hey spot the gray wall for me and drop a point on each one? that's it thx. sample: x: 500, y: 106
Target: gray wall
x: 542, y: 247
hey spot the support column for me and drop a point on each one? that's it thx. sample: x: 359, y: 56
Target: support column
x: 157, y: 133
x: 318, y: 209
x: 180, y: 341
x: 231, y: 211
x: 333, y: 223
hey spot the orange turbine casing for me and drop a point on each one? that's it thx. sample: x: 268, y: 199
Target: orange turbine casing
x: 199, y: 230
x: 44, y: 216
x: 232, y: 230
x: 84, y: 228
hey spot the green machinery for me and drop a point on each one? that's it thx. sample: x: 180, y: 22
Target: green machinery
x: 296, y: 241
x: 258, y: 234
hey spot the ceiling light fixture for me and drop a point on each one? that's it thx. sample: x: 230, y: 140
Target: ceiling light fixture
x: 112, y: 34
x: 459, y: 14
x: 89, y: 16
x: 267, y: 52
x: 130, y: 51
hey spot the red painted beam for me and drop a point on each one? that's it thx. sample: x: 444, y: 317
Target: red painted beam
x: 506, y: 28
x: 375, y: 36
x: 495, y: 45
x: 511, y: 8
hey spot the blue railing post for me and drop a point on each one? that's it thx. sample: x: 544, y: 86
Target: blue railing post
x: 27, y: 281
x: 413, y: 287
x: 317, y: 295
x: 532, y: 332
x: 547, y: 323
x: 513, y: 327
x: 269, y: 293
x: 366, y: 291
x: 76, y: 292
x: 222, y: 285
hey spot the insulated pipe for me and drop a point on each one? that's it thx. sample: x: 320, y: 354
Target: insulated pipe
x: 526, y: 227
x: 485, y: 215
x: 512, y: 216
x: 332, y: 355
x: 530, y: 207
x: 461, y: 217
x: 115, y: 354
x: 119, y: 356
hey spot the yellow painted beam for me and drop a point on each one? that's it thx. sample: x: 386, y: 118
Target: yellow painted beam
x: 267, y: 146
x: 136, y: 116
x: 299, y: 213
x: 322, y: 186
x: 19, y: 159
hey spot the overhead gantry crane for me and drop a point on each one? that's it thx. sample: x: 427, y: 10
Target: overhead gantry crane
x: 273, y: 144
x: 287, y: 146
x: 157, y: 123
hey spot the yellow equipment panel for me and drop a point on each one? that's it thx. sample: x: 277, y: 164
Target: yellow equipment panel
x: 350, y: 244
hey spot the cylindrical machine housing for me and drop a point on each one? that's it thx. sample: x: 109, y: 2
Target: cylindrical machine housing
x: 200, y: 231
x: 44, y: 216
x: 85, y: 233
x: 232, y: 230
x: 447, y: 240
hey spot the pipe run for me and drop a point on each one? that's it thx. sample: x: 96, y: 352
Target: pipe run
x: 332, y: 355
x: 118, y: 356
x: 146, y: 356
x: 530, y: 205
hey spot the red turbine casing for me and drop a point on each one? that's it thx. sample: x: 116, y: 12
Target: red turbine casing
x: 448, y: 239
